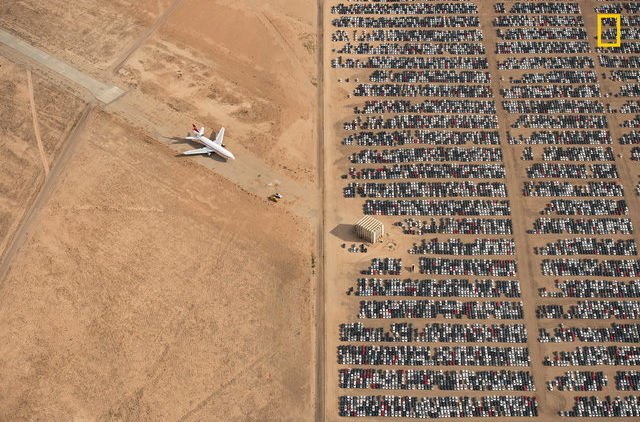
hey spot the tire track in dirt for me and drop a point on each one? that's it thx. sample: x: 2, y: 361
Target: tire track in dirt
x: 43, y: 196
x: 145, y: 36
x: 36, y: 126
x: 296, y: 69
x: 193, y: 412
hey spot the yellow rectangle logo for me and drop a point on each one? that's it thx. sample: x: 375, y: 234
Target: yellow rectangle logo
x: 602, y: 16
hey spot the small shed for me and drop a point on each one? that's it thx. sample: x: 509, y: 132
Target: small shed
x: 369, y: 229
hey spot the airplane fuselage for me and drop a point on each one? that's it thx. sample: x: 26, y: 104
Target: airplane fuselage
x: 218, y: 149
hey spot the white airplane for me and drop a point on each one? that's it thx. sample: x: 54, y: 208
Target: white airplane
x: 210, y: 146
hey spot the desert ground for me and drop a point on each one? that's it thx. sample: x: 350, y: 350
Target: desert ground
x: 141, y: 285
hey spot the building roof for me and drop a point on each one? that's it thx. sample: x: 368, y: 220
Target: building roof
x: 369, y: 223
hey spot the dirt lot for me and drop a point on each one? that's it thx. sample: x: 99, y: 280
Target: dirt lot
x: 149, y: 277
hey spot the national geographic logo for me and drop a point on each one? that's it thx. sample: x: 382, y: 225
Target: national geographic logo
x: 602, y: 16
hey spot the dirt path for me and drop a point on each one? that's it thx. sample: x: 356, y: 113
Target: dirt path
x: 100, y: 90
x: 20, y: 235
x: 144, y: 37
x: 36, y: 127
x: 320, y: 296
x: 526, y: 271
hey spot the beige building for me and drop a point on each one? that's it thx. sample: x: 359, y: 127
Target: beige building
x: 369, y: 229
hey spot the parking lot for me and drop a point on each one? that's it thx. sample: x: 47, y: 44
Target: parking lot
x: 497, y: 143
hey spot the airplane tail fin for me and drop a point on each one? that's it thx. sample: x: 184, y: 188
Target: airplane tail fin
x: 220, y: 136
x: 196, y: 131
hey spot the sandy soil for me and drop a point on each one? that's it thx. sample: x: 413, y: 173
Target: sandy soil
x: 130, y: 293
x: 259, y: 83
x: 57, y: 108
x: 87, y: 33
x: 21, y: 172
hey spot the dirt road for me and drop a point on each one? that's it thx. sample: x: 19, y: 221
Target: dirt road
x: 321, y: 283
x: 36, y: 126
x: 43, y: 195
x: 145, y: 36
x: 103, y: 92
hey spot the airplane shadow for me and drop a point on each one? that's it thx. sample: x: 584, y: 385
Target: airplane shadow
x: 214, y: 157
x: 180, y: 140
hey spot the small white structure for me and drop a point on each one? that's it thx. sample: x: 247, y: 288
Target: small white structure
x: 369, y: 229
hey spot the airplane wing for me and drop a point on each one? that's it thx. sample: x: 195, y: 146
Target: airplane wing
x: 218, y: 140
x: 205, y: 150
